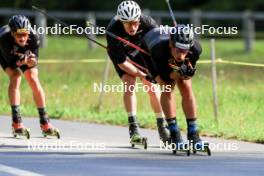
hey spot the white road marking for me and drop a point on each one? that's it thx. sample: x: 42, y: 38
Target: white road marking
x: 17, y: 172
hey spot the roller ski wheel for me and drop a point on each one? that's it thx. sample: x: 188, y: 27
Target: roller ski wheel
x: 207, y: 149
x: 196, y: 143
x: 201, y: 147
x: 20, y: 130
x: 49, y: 130
x: 138, y: 140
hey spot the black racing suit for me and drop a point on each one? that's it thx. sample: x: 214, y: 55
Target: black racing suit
x: 9, y: 49
x: 157, y: 43
x: 118, y: 51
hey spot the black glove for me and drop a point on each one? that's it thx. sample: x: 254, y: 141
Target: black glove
x: 186, y: 71
x: 21, y: 56
x: 24, y: 56
x: 150, y: 78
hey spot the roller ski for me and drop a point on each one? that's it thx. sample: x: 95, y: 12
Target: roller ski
x: 196, y: 144
x: 177, y: 144
x: 135, y: 138
x: 138, y: 140
x: 49, y: 130
x: 18, y: 129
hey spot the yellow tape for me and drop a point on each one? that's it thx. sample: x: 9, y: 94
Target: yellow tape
x: 221, y: 61
x: 239, y: 63
x: 204, y: 62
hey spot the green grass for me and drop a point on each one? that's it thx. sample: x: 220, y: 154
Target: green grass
x: 69, y: 90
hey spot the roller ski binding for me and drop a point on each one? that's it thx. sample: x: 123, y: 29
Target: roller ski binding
x: 196, y: 144
x: 49, y: 130
x: 18, y: 129
x: 177, y: 144
x: 135, y: 138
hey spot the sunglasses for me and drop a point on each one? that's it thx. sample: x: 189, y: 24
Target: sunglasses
x: 132, y: 23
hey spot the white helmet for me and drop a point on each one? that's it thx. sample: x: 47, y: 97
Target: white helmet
x: 128, y: 11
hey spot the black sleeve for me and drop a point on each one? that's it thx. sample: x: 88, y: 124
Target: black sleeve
x: 115, y: 48
x: 2, y: 61
x: 3, y: 47
x: 196, y: 51
x: 147, y: 22
x: 9, y: 59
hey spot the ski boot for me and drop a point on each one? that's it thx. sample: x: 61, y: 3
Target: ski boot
x: 18, y: 129
x: 164, y: 133
x: 178, y: 144
x: 196, y: 144
x: 135, y: 137
x: 49, y: 130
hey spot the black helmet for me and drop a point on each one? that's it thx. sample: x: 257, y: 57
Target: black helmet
x: 182, y: 37
x: 19, y: 23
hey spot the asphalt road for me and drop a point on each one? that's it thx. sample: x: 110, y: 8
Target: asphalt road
x: 90, y: 149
